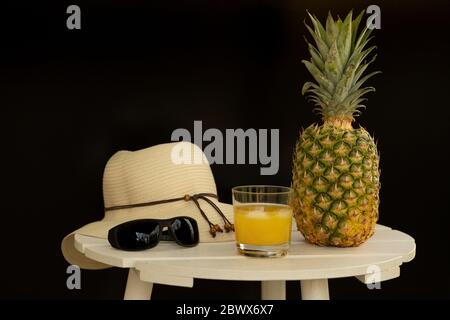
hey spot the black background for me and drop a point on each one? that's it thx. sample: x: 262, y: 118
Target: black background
x: 137, y: 70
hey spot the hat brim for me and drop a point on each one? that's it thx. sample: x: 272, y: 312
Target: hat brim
x: 99, y: 229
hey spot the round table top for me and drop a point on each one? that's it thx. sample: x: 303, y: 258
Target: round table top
x: 168, y: 263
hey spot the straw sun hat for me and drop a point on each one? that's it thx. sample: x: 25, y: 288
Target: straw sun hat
x: 162, y: 172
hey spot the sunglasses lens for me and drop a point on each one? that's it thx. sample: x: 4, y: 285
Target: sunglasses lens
x: 185, y: 230
x: 135, y: 235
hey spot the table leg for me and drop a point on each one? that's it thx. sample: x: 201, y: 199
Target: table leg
x: 273, y: 290
x: 315, y: 289
x: 136, y: 288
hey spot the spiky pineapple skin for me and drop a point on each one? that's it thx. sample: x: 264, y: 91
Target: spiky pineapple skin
x: 336, y: 185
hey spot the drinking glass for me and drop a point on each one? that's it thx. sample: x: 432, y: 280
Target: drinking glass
x: 262, y: 220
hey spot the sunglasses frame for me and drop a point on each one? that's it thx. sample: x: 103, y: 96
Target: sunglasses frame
x: 163, y: 235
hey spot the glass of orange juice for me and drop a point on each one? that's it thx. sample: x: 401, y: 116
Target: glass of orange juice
x: 262, y: 220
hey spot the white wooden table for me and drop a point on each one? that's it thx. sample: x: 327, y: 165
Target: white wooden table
x: 376, y: 260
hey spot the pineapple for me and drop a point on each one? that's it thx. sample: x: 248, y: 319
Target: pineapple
x: 336, y: 167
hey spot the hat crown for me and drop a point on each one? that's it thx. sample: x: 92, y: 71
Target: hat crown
x: 154, y: 174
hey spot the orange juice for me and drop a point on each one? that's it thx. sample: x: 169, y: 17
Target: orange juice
x: 263, y: 224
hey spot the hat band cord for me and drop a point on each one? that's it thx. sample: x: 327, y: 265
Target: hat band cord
x: 213, y: 228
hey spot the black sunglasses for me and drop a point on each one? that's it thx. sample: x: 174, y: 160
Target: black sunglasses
x: 146, y: 233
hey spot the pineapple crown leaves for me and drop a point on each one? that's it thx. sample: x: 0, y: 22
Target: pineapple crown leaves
x: 338, y: 62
